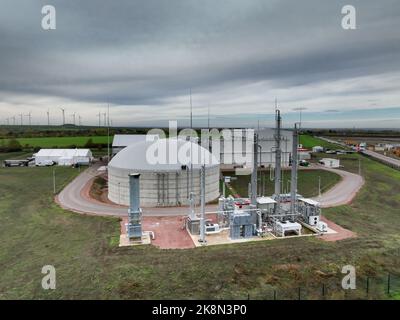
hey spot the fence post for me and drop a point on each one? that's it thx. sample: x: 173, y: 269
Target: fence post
x: 299, y: 293
x: 323, y: 289
x: 388, y: 284
x: 367, y: 289
x: 274, y: 294
x: 248, y: 296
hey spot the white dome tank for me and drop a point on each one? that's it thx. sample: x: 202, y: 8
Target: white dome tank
x: 164, y: 167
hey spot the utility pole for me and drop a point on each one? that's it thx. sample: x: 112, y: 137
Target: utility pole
x: 63, y: 116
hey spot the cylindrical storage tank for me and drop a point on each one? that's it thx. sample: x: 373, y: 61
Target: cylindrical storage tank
x: 164, y: 167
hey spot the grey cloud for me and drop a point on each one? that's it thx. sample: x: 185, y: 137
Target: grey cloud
x: 151, y: 52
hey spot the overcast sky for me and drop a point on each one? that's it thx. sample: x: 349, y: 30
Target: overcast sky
x: 142, y: 57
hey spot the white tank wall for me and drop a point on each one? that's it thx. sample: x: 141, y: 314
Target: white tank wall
x: 118, y: 186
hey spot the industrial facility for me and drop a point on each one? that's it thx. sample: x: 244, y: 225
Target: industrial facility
x: 162, y: 184
x: 236, y: 219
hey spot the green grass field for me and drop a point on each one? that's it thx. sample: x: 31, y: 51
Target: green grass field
x: 309, y: 141
x: 307, y: 182
x: 50, y: 142
x: 35, y: 232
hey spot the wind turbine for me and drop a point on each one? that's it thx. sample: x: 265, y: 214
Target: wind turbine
x: 48, y: 117
x: 79, y: 117
x: 105, y: 118
x: 29, y: 115
x: 13, y: 117
x: 63, y: 115
x: 20, y: 117
x: 99, y: 115
x: 73, y: 117
x: 8, y: 121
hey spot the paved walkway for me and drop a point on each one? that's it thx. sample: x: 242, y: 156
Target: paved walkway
x: 74, y: 196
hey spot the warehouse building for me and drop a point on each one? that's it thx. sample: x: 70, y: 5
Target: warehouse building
x: 231, y: 148
x: 63, y: 157
x: 121, y: 141
x: 162, y: 184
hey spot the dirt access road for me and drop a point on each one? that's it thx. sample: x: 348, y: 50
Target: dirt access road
x: 343, y: 192
x: 75, y: 196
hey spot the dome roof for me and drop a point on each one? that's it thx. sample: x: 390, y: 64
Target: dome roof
x: 162, y: 154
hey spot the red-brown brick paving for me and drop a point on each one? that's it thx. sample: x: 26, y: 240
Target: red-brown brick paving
x: 341, y: 234
x: 167, y: 230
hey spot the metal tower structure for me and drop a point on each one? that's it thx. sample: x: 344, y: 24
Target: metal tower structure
x: 278, y: 157
x: 293, y: 179
x: 203, y: 204
x: 253, y: 186
x: 134, y: 228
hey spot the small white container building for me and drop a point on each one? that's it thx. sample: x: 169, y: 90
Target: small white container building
x: 330, y: 162
x: 63, y: 157
x: 317, y: 149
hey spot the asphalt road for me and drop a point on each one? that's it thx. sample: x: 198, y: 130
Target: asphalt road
x: 72, y: 196
x: 388, y: 160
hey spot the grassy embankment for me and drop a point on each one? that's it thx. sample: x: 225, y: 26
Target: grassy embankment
x: 34, y: 232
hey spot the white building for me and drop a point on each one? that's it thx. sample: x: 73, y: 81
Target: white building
x: 64, y: 157
x: 266, y: 151
x: 121, y: 141
x: 330, y: 162
x: 317, y: 149
x: 162, y: 183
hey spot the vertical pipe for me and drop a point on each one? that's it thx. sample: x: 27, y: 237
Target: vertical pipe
x: 293, y: 179
x: 134, y: 192
x: 254, y: 172
x: 203, y: 203
x: 278, y: 158
x: 176, y: 187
